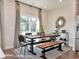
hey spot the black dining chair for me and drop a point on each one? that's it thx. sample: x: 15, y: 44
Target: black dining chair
x: 41, y: 33
x: 28, y: 33
x: 23, y: 43
x: 29, y: 39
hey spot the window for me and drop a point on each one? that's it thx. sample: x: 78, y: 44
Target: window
x: 29, y: 24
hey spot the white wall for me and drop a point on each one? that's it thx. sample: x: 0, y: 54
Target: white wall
x: 9, y: 23
x: 68, y: 12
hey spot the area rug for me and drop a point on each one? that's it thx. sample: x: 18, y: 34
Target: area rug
x: 53, y: 54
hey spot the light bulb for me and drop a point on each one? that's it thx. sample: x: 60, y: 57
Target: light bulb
x: 60, y: 1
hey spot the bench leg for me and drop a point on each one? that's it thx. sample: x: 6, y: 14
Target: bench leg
x: 43, y: 54
x: 60, y: 47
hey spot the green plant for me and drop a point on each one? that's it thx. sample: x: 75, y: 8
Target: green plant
x: 52, y: 39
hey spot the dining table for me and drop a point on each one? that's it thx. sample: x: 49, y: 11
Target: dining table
x: 33, y: 37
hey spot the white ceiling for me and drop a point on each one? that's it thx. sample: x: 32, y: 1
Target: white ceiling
x: 47, y: 4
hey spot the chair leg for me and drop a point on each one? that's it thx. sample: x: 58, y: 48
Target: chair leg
x: 25, y: 51
x: 21, y: 50
x: 27, y: 48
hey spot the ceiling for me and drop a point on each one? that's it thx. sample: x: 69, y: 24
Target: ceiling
x: 47, y: 4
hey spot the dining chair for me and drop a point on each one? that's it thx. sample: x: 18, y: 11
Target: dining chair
x: 41, y: 33
x: 28, y: 33
x: 28, y: 40
x: 23, y: 43
x: 64, y: 36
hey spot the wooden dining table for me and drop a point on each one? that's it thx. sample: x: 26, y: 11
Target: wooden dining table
x: 33, y: 37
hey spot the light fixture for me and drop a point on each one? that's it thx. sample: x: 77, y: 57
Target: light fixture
x: 60, y: 1
x: 45, y: 7
x: 32, y: 3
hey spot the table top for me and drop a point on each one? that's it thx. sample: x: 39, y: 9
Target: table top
x: 40, y: 36
x: 49, y: 44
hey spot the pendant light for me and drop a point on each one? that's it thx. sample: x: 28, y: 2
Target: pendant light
x: 60, y: 1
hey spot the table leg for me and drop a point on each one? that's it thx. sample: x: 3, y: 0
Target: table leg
x: 31, y: 49
x: 60, y: 47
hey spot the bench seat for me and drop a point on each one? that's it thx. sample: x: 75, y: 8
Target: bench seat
x: 49, y: 44
x: 53, y: 45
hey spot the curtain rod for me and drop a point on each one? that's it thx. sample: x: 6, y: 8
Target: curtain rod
x: 28, y: 4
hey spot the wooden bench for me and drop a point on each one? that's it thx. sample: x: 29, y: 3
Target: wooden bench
x: 52, y: 45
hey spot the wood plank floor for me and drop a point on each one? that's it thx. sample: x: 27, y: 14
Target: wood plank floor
x: 9, y: 55
x: 67, y: 55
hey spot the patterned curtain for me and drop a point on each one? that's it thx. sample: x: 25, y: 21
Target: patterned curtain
x: 17, y: 25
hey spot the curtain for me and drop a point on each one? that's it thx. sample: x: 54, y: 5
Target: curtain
x: 1, y: 25
x: 40, y: 20
x: 17, y: 25
x: 28, y: 10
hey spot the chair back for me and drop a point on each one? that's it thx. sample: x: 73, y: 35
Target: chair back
x: 21, y: 38
x: 38, y: 33
x: 28, y: 33
x: 41, y: 33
